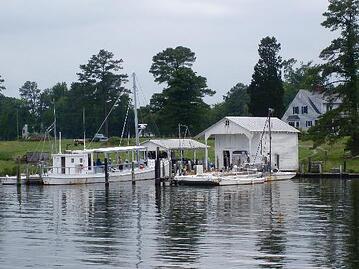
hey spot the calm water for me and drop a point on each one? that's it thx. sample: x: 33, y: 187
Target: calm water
x: 288, y: 224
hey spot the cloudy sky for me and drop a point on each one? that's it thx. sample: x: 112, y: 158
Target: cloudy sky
x: 46, y: 40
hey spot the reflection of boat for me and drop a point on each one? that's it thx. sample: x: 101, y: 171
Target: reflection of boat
x: 220, y: 179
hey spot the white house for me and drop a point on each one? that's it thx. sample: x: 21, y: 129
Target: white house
x: 237, y: 138
x: 306, y: 107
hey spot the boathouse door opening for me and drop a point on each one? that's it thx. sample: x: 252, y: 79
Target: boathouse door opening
x: 226, y: 159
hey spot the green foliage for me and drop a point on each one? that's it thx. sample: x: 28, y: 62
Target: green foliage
x: 306, y: 76
x: 170, y: 60
x: 266, y: 88
x: 341, y: 66
x: 182, y: 100
x: 2, y: 87
x: 101, y: 81
x: 235, y: 103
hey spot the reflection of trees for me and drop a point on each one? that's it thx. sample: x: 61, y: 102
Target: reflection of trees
x: 109, y: 216
x: 183, y: 214
x: 272, y: 239
x: 352, y: 241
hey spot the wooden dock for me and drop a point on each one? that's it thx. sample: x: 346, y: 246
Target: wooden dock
x: 329, y: 175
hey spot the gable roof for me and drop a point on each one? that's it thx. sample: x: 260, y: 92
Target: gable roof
x: 173, y: 144
x: 255, y: 124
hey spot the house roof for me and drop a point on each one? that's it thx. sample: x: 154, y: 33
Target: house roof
x: 293, y: 118
x: 255, y: 124
x: 173, y: 144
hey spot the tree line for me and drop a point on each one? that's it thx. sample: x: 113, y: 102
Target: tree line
x: 102, y: 86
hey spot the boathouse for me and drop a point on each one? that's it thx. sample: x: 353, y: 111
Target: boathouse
x: 246, y: 139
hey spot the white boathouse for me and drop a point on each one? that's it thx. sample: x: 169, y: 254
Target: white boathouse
x: 246, y: 139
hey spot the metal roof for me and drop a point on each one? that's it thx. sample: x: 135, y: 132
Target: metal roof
x: 110, y: 149
x: 173, y: 144
x: 255, y: 124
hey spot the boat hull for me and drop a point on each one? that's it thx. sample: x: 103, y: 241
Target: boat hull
x: 210, y: 180
x: 144, y: 174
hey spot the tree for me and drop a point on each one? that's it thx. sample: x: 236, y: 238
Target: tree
x: 266, y: 88
x: 305, y: 76
x: 235, y: 103
x: 182, y: 100
x: 2, y: 87
x: 341, y: 67
x: 103, y: 81
x: 167, y: 62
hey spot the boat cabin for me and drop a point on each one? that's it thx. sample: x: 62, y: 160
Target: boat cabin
x: 92, y: 161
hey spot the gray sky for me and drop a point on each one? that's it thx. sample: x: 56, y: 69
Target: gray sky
x: 46, y: 40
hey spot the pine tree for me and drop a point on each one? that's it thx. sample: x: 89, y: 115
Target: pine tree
x: 266, y: 88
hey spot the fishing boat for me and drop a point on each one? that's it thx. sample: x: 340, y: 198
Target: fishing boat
x: 86, y: 167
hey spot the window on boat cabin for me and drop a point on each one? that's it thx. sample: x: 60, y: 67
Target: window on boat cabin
x: 72, y: 160
x: 227, y: 123
x: 291, y: 123
x: 308, y: 123
x: 297, y: 124
x: 304, y: 109
x: 296, y: 110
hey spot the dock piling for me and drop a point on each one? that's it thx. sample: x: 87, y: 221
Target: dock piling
x: 133, y: 173
x: 106, y: 172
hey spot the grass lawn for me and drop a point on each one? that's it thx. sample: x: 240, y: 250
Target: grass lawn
x: 331, y: 154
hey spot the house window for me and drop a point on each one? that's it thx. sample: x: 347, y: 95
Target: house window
x: 297, y: 124
x: 80, y: 160
x: 308, y: 123
x: 304, y: 109
x: 227, y: 123
x: 291, y: 123
x: 72, y: 160
x: 296, y: 110
x: 329, y: 107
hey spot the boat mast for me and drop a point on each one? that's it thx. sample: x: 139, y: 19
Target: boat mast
x: 270, y: 110
x: 135, y: 108
x: 83, y: 124
x: 55, y: 131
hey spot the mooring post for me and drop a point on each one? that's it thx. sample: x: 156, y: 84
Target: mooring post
x: 345, y: 166
x: 106, y: 172
x: 133, y: 173
x: 18, y: 176
x: 27, y: 175
x: 157, y: 168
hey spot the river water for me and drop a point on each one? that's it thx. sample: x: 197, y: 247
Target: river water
x: 289, y: 224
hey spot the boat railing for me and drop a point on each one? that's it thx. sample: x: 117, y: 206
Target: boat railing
x: 96, y: 169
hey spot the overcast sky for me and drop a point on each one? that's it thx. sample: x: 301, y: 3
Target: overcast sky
x: 46, y: 40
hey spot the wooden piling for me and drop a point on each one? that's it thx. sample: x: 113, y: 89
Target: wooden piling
x: 18, y: 175
x: 27, y: 175
x: 157, y: 168
x: 133, y: 173
x: 106, y: 172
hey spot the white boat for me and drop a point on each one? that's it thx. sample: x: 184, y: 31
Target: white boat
x: 85, y: 167
x: 279, y: 175
x: 12, y: 180
x: 220, y: 179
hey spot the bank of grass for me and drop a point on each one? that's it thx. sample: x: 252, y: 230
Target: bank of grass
x: 332, y: 155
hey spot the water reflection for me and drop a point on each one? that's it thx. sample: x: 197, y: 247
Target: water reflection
x: 295, y: 224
